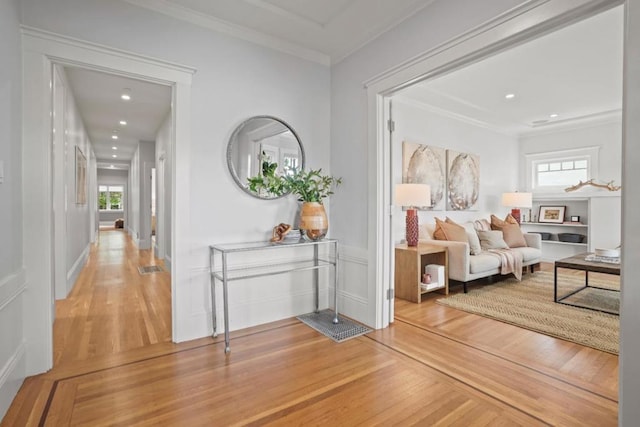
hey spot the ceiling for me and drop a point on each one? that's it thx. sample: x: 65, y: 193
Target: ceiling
x: 97, y: 97
x: 324, y: 31
x: 575, y: 72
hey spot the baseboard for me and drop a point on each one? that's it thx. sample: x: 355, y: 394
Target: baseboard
x: 76, y: 268
x: 11, y: 287
x: 12, y: 376
x: 167, y: 262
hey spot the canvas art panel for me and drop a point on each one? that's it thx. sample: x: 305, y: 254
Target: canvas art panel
x: 463, y: 181
x: 425, y: 164
x: 81, y: 177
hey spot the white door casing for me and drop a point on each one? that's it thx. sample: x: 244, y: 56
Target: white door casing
x: 41, y: 50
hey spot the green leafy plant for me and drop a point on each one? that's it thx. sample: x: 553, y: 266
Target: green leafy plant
x: 309, y: 186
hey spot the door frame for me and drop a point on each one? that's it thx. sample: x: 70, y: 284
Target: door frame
x: 519, y: 25
x: 41, y: 50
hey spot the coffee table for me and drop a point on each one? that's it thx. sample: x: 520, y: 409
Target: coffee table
x: 578, y: 262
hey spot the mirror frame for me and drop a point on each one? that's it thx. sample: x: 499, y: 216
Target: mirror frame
x: 233, y: 138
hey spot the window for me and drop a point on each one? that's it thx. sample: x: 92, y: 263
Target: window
x: 554, y: 171
x: 110, y: 197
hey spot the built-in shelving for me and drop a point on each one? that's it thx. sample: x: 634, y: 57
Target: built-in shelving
x: 557, y: 242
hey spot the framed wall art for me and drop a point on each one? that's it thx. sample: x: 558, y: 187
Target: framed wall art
x: 463, y: 181
x: 552, y: 214
x: 425, y: 164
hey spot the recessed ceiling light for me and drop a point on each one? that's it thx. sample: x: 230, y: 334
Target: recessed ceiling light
x: 510, y: 95
x: 114, y: 148
x: 553, y: 115
x: 126, y: 94
x: 123, y: 122
x: 114, y: 155
x: 114, y: 136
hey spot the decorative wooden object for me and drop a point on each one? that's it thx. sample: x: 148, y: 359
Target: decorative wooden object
x: 608, y: 186
x: 279, y: 231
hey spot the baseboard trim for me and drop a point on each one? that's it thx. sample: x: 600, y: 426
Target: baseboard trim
x: 76, y: 268
x: 11, y: 378
x: 167, y: 262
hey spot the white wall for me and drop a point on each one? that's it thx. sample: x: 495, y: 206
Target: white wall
x: 234, y: 80
x: 607, y: 136
x: 12, y: 276
x: 498, y: 155
x: 77, y: 215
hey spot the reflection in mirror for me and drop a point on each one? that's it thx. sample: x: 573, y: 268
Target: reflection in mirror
x: 260, y: 146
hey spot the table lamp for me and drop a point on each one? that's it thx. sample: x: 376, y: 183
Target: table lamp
x: 411, y: 196
x: 516, y: 201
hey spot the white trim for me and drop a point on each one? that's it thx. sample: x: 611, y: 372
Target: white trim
x: 76, y: 268
x: 11, y: 287
x: 167, y: 262
x: 518, y: 25
x: 452, y: 115
x: 40, y: 50
x: 37, y: 33
x: 12, y: 375
x: 207, y: 21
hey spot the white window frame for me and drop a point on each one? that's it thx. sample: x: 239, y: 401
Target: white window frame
x: 590, y: 154
x: 108, y: 209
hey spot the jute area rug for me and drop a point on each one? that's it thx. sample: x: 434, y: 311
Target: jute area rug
x: 529, y: 304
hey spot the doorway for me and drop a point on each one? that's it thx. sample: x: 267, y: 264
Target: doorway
x: 39, y: 49
x: 465, y: 50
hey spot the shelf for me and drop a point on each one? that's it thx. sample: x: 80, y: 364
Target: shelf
x: 426, y: 291
x: 269, y: 270
x: 565, y: 224
x: 556, y: 242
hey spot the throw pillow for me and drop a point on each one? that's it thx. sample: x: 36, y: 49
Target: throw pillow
x: 492, y: 240
x: 450, y: 232
x: 472, y: 236
x: 482, y: 225
x: 497, y: 223
x: 513, y: 236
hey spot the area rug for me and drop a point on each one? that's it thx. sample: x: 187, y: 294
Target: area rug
x: 529, y: 304
x: 323, y: 323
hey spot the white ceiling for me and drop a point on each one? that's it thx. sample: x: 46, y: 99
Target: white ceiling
x: 575, y: 72
x: 97, y: 97
x: 320, y: 30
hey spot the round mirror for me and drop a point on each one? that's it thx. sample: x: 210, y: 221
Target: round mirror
x: 263, y: 147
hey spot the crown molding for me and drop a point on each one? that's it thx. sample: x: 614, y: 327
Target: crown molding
x: 573, y: 123
x: 452, y: 115
x: 231, y: 29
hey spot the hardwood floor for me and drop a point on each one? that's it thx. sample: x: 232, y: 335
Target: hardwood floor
x: 112, y: 307
x: 434, y: 366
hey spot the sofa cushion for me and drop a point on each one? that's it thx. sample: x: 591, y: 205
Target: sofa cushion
x: 472, y: 236
x: 451, y: 232
x: 492, y: 240
x: 529, y: 254
x: 497, y: 223
x: 483, y: 262
x: 482, y: 225
x: 513, y: 236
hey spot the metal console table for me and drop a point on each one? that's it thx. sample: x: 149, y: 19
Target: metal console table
x: 226, y: 274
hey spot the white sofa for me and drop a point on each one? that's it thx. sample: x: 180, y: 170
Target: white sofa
x: 464, y: 267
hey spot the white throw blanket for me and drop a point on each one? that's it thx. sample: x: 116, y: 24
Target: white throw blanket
x: 510, y: 261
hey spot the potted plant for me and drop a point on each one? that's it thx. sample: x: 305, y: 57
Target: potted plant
x: 311, y: 187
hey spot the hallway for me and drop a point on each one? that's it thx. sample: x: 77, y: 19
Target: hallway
x: 112, y: 307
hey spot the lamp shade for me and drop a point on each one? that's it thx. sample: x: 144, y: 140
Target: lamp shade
x: 413, y: 195
x: 517, y: 200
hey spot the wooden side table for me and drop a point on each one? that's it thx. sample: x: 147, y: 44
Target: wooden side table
x: 410, y: 262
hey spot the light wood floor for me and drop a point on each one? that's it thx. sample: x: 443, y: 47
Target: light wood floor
x: 434, y: 366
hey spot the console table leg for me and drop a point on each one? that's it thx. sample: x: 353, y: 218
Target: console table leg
x: 335, y: 287
x: 316, y: 284
x: 225, y: 298
x: 214, y: 317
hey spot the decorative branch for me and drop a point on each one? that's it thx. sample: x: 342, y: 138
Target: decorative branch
x: 608, y: 186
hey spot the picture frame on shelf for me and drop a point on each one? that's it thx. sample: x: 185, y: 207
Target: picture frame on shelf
x: 575, y: 218
x: 552, y: 214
